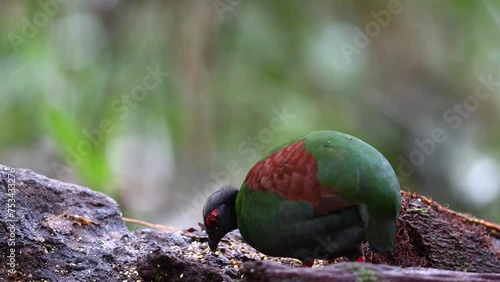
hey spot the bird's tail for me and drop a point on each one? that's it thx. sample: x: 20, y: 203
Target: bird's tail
x: 380, y: 231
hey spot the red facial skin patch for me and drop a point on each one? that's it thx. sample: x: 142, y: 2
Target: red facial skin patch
x: 211, y: 220
x: 215, y: 212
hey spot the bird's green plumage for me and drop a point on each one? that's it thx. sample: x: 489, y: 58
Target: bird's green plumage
x: 357, y: 170
x: 279, y: 227
x: 361, y: 174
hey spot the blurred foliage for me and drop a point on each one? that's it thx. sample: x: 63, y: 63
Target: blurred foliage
x: 70, y: 68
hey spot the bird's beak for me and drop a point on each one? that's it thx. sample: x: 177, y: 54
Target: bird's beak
x: 213, y: 245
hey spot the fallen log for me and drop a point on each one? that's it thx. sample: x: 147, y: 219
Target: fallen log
x: 352, y: 271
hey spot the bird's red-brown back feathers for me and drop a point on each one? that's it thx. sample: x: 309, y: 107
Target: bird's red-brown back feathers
x: 291, y: 174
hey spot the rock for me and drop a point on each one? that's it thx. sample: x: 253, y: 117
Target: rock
x: 63, y: 232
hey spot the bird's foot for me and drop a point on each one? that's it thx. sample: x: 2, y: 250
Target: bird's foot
x: 308, y: 263
x: 361, y: 259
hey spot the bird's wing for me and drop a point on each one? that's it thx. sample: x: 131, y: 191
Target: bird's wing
x: 291, y: 174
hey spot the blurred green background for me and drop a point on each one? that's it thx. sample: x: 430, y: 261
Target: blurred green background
x: 159, y: 103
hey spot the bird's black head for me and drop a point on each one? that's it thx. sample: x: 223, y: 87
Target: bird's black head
x: 219, y: 215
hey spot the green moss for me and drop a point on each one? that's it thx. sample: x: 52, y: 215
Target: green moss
x: 420, y: 211
x: 363, y: 274
x: 366, y: 275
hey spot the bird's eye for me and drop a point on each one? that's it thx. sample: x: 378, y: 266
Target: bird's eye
x: 211, y: 221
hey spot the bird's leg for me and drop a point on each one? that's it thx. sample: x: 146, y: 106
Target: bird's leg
x: 308, y: 263
x: 361, y: 259
x: 356, y: 255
